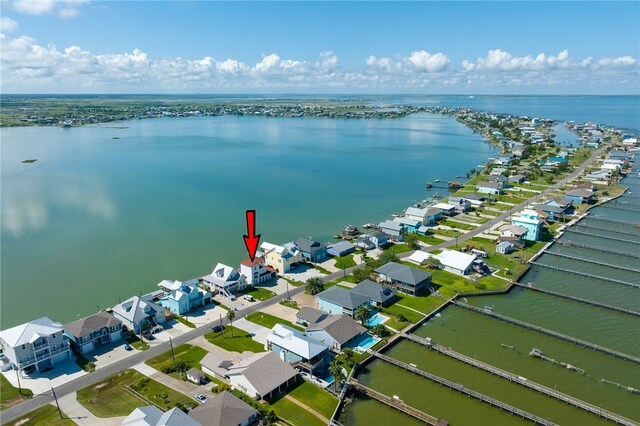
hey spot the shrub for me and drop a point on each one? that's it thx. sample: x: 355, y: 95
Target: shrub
x: 380, y: 331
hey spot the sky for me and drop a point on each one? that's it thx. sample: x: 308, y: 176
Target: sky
x: 82, y: 46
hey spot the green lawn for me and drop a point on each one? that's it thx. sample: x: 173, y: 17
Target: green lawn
x: 184, y: 321
x: 429, y: 239
x: 424, y: 304
x: 290, y: 304
x: 269, y: 321
x: 315, y: 397
x: 499, y: 206
x: 9, y: 395
x: 136, y: 343
x: 187, y: 353
x: 258, y: 293
x: 110, y: 397
x: 491, y: 283
x: 446, y: 232
x: 398, y: 248
x: 321, y: 269
x: 457, y: 225
x: 395, y: 309
x: 345, y: 262
x: 295, y: 414
x: 44, y: 416
x: 240, y: 341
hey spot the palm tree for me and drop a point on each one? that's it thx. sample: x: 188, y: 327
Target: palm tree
x: 314, y: 285
x: 347, y: 355
x: 362, y: 313
x: 231, y: 314
x: 335, y: 368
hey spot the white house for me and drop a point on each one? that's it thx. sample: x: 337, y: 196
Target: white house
x: 456, y: 262
x: 415, y: 213
x: 225, y: 280
x: 39, y: 344
x: 297, y: 348
x: 256, y: 271
x: 135, y: 312
x: 447, y: 209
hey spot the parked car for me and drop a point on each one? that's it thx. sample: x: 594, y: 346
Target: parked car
x: 201, y: 398
x: 127, y: 347
x: 217, y: 328
x: 250, y: 298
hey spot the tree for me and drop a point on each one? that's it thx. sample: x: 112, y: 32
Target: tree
x: 335, y: 368
x: 401, y: 318
x: 347, y: 355
x: 431, y: 263
x: 412, y: 240
x: 387, y: 257
x: 231, y: 314
x: 362, y: 274
x: 313, y: 286
x: 380, y: 331
x: 362, y: 313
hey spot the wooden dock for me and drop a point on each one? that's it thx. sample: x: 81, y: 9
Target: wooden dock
x: 615, y: 231
x: 585, y: 274
x: 595, y: 262
x: 397, y: 404
x: 551, y: 333
x: 523, y: 381
x: 462, y: 389
x: 570, y: 243
x: 578, y: 299
x: 612, y: 207
x: 606, y: 237
x: 606, y: 219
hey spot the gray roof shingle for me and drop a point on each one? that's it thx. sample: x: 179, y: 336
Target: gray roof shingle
x: 374, y: 291
x: 341, y: 327
x: 403, y: 273
x: 224, y: 409
x: 343, y: 297
x: 92, y: 323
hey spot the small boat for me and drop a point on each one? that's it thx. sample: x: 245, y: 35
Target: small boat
x: 350, y: 229
x: 368, y: 225
x: 436, y: 180
x: 429, y: 185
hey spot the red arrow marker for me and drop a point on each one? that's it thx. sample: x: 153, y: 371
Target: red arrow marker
x: 251, y: 240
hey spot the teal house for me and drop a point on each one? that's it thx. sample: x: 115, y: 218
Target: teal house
x: 531, y: 221
x: 411, y: 225
x: 182, y: 297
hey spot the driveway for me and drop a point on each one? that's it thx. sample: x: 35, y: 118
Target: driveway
x: 283, y: 312
x: 205, y: 315
x: 303, y: 273
x: 258, y: 332
x: 83, y: 417
x: 43, y: 382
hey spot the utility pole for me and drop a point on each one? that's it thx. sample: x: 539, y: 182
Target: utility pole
x: 18, y: 377
x: 173, y: 354
x: 57, y: 405
x: 288, y: 298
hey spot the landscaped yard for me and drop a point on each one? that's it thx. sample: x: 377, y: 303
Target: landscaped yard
x: 345, y: 262
x: 258, y: 293
x: 184, y: 321
x: 44, y: 416
x: 446, y: 232
x: 240, y: 341
x: 424, y: 304
x: 136, y: 343
x: 429, y: 239
x: 459, y: 225
x: 186, y: 353
x: 111, y: 398
x: 295, y: 414
x: 269, y: 321
x: 315, y: 397
x: 9, y: 395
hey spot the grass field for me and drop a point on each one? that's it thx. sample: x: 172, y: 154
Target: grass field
x: 44, y: 416
x: 184, y: 321
x: 458, y: 225
x: 295, y: 414
x: 9, y: 395
x: 187, y: 353
x: 314, y: 397
x: 429, y: 239
x: 235, y: 340
x: 136, y: 343
x: 345, y: 262
x: 258, y: 293
x: 269, y: 321
x: 398, y: 248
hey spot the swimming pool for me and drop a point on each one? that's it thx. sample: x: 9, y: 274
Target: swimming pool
x: 376, y: 319
x: 366, y: 343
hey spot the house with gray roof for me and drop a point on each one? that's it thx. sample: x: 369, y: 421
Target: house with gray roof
x: 308, y: 315
x: 338, y: 300
x: 153, y: 416
x: 298, y: 349
x: 224, y: 409
x: 215, y: 365
x: 93, y: 331
x: 312, y: 250
x: 136, y: 312
x: 378, y: 294
x: 380, y: 239
x: 406, y: 279
x: 262, y: 375
x: 394, y: 230
x: 338, y: 331
x: 340, y: 249
x: 580, y: 196
x: 490, y: 187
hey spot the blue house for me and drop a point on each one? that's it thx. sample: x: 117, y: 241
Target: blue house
x: 312, y: 250
x: 411, y: 225
x: 183, y: 297
x: 342, y: 248
x: 531, y: 221
x: 338, y: 300
x: 580, y: 196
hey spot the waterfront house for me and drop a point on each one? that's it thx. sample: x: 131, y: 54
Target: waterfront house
x: 530, y: 220
x: 39, y: 344
x: 312, y: 250
x: 380, y: 239
x: 499, y: 178
x: 256, y: 271
x: 262, y: 375
x: 364, y: 243
x: 446, y: 208
x: 410, y: 225
x: 504, y: 247
x: 473, y: 199
x: 394, y: 230
x: 596, y: 176
x: 297, y: 348
x: 308, y: 315
x: 195, y: 376
x: 490, y: 187
x: 462, y: 204
x: 153, y: 416
x: 340, y: 249
x: 378, y: 294
x: 497, y: 171
x: 224, y: 409
x: 456, y: 262
x: 512, y: 233
x: 338, y: 331
x: 225, y: 280
x: 404, y: 278
x: 136, y: 313
x: 417, y: 214
x: 580, y: 196
x: 182, y: 297
x: 338, y: 300
x: 93, y: 331
x: 279, y: 257
x: 519, y: 178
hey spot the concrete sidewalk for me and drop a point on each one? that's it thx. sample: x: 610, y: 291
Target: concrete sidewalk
x: 77, y: 413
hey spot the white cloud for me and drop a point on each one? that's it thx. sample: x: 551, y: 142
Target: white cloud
x: 8, y: 25
x: 63, y: 8
x: 29, y: 67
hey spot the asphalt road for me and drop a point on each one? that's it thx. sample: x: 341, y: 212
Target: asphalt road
x: 89, y: 379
